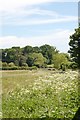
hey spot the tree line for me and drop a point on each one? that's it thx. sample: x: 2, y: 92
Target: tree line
x: 42, y: 57
x: 28, y: 56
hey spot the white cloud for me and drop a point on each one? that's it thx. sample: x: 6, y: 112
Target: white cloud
x: 13, y: 5
x: 31, y: 11
x: 36, y: 21
x: 17, y: 12
x: 38, y: 11
x: 46, y: 21
x: 58, y: 38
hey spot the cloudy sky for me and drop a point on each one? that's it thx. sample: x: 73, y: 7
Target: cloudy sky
x: 37, y: 22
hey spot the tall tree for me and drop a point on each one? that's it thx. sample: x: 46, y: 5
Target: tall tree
x: 75, y: 46
x: 11, y: 55
x: 48, y: 52
x: 27, y: 50
x: 36, y: 59
x: 36, y: 49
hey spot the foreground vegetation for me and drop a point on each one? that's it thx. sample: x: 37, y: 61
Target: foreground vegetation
x: 40, y: 94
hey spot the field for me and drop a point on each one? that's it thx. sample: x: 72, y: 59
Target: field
x: 39, y: 94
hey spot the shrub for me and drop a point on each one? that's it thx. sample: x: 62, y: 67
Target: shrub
x: 11, y: 64
x: 63, y: 67
x: 73, y: 65
x: 25, y: 64
x: 4, y: 64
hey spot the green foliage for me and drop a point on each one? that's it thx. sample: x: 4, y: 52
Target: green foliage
x: 16, y: 62
x: 30, y: 61
x: 75, y: 46
x: 59, y: 59
x: 39, y: 60
x: 63, y: 66
x: 36, y: 59
x: 34, y: 56
x: 11, y: 55
x: 11, y: 64
x: 4, y: 64
x: 44, y: 95
x: 73, y: 65
x: 27, y: 50
x: 25, y: 64
x: 36, y: 49
x: 22, y: 61
x: 48, y: 52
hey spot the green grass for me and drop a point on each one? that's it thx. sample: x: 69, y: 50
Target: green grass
x: 39, y: 93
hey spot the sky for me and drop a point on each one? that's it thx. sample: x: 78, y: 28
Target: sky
x: 37, y: 22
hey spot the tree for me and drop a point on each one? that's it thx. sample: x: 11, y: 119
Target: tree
x: 59, y: 60
x: 4, y: 54
x: 27, y: 50
x: 75, y: 47
x: 30, y: 60
x: 22, y: 60
x: 39, y: 60
x: 36, y: 49
x: 36, y: 59
x: 48, y: 52
x: 11, y: 55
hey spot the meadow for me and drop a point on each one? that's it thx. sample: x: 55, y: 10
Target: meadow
x: 39, y: 94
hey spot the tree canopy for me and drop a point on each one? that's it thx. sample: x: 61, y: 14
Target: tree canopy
x: 75, y: 46
x: 42, y: 56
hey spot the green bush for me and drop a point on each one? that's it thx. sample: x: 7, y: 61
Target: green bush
x: 73, y: 65
x: 63, y: 66
x: 11, y: 64
x: 25, y: 64
x: 4, y: 64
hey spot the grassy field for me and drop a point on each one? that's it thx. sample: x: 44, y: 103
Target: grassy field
x: 39, y: 94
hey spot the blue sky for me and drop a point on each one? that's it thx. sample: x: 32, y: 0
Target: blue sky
x: 37, y: 22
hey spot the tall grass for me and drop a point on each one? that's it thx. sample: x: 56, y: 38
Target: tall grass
x: 39, y: 94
